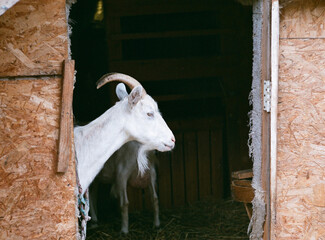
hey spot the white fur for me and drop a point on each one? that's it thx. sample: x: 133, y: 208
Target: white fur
x: 135, y: 117
x: 121, y: 169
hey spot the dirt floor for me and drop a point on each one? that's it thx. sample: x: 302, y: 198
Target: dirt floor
x: 207, y: 219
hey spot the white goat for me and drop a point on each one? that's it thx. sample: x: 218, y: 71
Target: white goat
x: 136, y: 117
x: 122, y: 169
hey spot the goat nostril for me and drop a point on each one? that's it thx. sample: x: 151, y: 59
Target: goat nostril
x: 173, y: 140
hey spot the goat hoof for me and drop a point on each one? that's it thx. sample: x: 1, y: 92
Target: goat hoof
x: 124, y: 231
x: 156, y: 224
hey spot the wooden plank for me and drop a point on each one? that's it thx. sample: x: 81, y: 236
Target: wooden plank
x: 66, y: 120
x: 30, y: 193
x: 115, y: 47
x: 265, y: 144
x: 216, y: 147
x: 191, y: 125
x: 6, y: 4
x: 302, y: 19
x: 203, y: 144
x: 168, y: 34
x: 177, y: 163
x: 164, y: 180
x: 242, y: 191
x: 180, y: 68
x: 34, y: 38
x: 177, y: 97
x: 301, y: 131
x: 134, y: 8
x: 242, y: 174
x: 190, y: 162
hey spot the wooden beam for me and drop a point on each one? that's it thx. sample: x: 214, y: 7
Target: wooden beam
x: 66, y: 121
x: 171, y: 69
x: 136, y: 8
x: 169, y: 34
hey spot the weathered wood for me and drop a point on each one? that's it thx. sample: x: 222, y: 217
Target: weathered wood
x: 6, y: 4
x: 248, y: 173
x: 265, y: 144
x: 301, y: 150
x: 302, y: 19
x: 66, y: 119
x: 31, y: 194
x: 164, y: 180
x: 190, y: 158
x: 217, y: 175
x: 177, y: 164
x: 34, y: 38
x: 242, y: 191
x: 301, y: 113
x: 203, y: 142
x: 184, y: 33
x: 135, y: 8
x: 170, y: 69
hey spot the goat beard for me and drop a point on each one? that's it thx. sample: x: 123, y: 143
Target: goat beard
x: 142, y: 160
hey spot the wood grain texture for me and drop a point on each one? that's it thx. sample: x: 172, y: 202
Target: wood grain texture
x: 164, y: 180
x: 190, y: 157
x: 66, y: 119
x: 302, y: 19
x: 177, y: 163
x: 301, y: 145
x: 33, y: 38
x: 35, y: 202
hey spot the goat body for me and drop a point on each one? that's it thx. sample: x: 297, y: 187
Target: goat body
x: 134, y: 117
x: 122, y: 169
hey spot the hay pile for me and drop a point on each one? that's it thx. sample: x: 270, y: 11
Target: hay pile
x: 207, y: 219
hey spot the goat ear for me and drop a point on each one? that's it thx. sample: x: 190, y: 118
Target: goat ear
x: 121, y: 91
x: 135, y: 95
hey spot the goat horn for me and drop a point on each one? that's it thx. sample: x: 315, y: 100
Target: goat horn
x: 110, y: 77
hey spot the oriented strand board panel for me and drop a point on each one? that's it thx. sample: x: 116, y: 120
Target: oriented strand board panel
x: 35, y: 202
x: 302, y: 19
x: 33, y: 38
x: 301, y: 140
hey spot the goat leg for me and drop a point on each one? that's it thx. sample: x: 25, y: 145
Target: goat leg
x: 154, y: 196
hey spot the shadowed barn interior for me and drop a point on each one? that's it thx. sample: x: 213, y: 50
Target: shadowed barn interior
x: 195, y: 59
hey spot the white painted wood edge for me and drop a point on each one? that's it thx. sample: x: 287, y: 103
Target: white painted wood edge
x: 275, y: 20
x: 6, y: 4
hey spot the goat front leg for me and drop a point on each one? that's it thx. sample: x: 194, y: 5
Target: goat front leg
x: 93, y: 194
x: 154, y: 197
x: 124, y: 204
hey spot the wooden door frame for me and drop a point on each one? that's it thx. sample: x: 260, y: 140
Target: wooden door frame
x: 266, y: 131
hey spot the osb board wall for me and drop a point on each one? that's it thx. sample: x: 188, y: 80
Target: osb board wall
x: 302, y: 18
x: 300, y: 206
x: 33, y: 38
x: 35, y: 202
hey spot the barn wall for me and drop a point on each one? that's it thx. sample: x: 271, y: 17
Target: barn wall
x: 33, y: 38
x: 35, y: 201
x: 301, y: 113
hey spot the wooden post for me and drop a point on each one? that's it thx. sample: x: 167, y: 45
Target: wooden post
x: 66, y: 121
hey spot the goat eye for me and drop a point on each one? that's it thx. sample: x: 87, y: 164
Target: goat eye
x: 150, y: 114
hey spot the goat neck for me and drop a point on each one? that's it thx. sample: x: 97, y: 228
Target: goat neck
x: 94, y: 147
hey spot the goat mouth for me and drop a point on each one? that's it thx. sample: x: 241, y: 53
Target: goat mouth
x: 170, y: 147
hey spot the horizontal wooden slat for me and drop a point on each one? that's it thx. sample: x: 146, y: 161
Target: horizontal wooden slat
x: 181, y: 68
x: 168, y: 34
x: 248, y: 173
x: 136, y: 7
x: 177, y: 97
x: 196, y: 124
